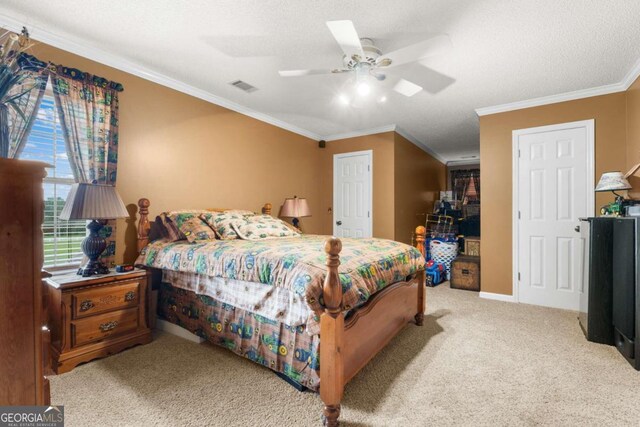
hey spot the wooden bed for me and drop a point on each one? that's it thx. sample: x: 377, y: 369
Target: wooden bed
x: 347, y: 346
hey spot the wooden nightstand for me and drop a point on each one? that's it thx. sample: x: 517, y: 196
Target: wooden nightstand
x: 92, y: 317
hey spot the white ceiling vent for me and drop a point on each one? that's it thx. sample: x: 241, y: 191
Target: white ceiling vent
x: 244, y: 86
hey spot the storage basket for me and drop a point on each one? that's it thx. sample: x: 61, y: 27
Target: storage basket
x: 444, y: 253
x: 465, y: 273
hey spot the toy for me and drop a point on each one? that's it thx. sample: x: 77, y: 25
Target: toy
x: 435, y: 273
x: 612, y: 209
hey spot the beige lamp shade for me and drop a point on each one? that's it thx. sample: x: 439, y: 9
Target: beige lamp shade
x: 295, y: 208
x: 93, y: 201
x: 612, y: 181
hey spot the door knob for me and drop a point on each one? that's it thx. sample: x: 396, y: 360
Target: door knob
x: 577, y: 229
x: 338, y: 222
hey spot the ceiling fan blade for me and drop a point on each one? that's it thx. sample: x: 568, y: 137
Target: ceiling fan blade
x: 345, y: 34
x: 299, y: 73
x: 429, y: 79
x: 433, y: 46
x: 407, y: 88
x: 378, y: 76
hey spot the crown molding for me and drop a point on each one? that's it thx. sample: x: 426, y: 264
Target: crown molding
x: 621, y: 86
x: 466, y: 162
x: 383, y: 129
x: 361, y: 132
x: 96, y: 54
x: 632, y: 75
x: 406, y: 135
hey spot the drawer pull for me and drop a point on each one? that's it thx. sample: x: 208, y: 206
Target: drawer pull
x: 129, y: 296
x: 86, y: 305
x: 106, y: 327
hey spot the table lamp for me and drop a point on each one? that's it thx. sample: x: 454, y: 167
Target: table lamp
x: 613, y: 181
x: 94, y: 202
x: 295, y: 208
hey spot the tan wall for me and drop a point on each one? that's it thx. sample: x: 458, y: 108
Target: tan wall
x: 609, y: 112
x: 383, y: 169
x: 419, y: 177
x: 633, y: 135
x: 182, y: 152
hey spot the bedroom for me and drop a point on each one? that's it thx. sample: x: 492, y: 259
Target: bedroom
x: 184, y: 137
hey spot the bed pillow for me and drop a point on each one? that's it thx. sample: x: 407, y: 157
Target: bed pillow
x: 220, y: 222
x: 260, y: 227
x: 191, y: 226
x: 169, y: 229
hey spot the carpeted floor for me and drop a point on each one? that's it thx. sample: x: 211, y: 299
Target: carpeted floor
x: 475, y: 362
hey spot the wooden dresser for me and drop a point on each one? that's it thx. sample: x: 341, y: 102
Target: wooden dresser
x: 23, y: 333
x: 92, y: 317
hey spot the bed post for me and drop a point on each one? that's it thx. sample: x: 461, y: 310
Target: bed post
x: 331, y: 333
x: 421, y: 233
x: 420, y: 238
x: 143, y: 223
x: 266, y: 209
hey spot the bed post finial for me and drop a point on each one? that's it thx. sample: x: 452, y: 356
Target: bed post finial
x: 421, y: 235
x: 332, y: 333
x: 332, y: 289
x: 143, y: 223
x: 266, y: 209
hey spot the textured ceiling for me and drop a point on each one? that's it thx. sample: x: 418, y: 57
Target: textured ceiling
x: 503, y: 51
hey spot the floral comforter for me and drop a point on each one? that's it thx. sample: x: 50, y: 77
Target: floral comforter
x: 296, y: 264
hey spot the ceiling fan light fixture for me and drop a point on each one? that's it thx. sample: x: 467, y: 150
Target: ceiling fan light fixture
x: 343, y: 99
x: 363, y: 89
x: 406, y: 88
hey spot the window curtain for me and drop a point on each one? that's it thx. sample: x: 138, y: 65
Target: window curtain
x: 88, y: 110
x: 461, y: 179
x: 21, y: 111
x: 476, y: 181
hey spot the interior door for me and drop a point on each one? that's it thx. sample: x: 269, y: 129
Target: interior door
x: 352, y: 194
x: 555, y: 189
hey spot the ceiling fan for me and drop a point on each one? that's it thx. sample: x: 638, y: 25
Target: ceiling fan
x: 362, y: 57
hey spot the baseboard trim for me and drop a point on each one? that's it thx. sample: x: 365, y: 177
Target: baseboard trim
x: 163, y: 325
x: 497, y: 297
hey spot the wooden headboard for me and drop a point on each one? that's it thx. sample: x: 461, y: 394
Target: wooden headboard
x: 144, y: 225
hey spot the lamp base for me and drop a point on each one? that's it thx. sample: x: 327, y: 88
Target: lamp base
x: 91, y: 268
x: 92, y: 246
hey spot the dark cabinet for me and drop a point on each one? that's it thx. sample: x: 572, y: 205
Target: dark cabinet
x: 596, y: 302
x: 626, y: 288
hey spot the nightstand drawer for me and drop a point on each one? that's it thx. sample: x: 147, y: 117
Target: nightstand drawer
x: 105, y: 298
x: 98, y: 327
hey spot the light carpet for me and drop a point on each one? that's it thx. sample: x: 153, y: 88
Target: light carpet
x: 474, y: 362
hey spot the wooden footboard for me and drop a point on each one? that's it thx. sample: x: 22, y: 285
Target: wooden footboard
x: 371, y: 328
x: 346, y: 347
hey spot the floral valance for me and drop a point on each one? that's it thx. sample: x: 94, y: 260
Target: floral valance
x: 31, y: 63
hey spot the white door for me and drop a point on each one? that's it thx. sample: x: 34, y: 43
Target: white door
x: 553, y: 188
x: 352, y: 194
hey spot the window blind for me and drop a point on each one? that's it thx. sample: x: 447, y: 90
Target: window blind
x: 46, y: 143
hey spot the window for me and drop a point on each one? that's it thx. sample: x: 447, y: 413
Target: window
x: 46, y: 143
